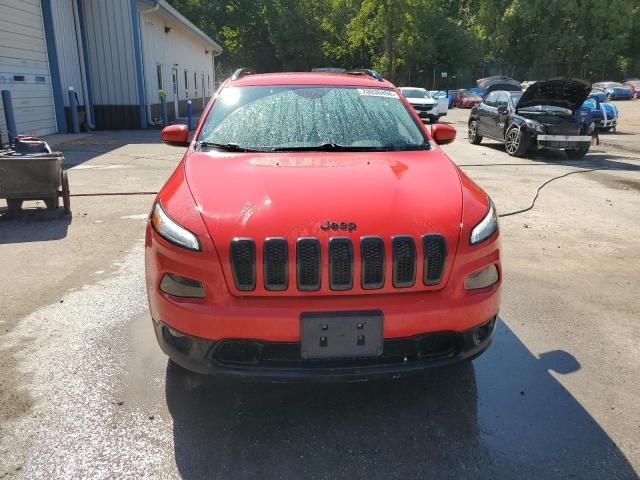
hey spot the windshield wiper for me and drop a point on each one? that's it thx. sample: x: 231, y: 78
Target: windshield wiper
x: 334, y: 147
x: 229, y: 147
x: 325, y: 147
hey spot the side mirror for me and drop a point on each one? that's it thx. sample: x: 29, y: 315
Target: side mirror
x: 502, y: 110
x: 176, y: 135
x: 443, y: 133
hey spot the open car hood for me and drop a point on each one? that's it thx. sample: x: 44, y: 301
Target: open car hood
x: 559, y: 92
x: 490, y: 84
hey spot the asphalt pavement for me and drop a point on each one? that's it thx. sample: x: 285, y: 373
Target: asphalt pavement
x: 86, y: 393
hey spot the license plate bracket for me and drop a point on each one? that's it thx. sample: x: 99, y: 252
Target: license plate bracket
x: 341, y: 334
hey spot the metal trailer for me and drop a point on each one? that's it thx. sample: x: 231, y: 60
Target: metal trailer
x: 31, y: 171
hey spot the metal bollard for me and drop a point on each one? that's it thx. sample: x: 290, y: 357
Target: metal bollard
x: 73, y: 106
x: 189, y: 114
x: 12, y: 130
x: 165, y: 114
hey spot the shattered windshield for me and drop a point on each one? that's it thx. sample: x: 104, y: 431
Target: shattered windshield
x: 272, y: 118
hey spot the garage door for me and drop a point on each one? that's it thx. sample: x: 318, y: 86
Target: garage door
x: 24, y: 69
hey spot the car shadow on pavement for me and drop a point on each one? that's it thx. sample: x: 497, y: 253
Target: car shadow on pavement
x: 33, y: 225
x: 504, y: 416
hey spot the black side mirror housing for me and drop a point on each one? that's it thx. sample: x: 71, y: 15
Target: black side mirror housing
x: 502, y: 109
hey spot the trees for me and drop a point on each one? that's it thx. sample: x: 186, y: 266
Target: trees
x: 409, y: 40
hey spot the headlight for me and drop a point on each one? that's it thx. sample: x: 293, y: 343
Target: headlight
x: 535, y: 126
x: 168, y: 229
x: 486, y: 227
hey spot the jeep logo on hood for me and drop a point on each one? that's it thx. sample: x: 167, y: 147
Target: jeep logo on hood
x: 331, y: 225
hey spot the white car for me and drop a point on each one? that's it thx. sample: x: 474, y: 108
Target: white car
x: 420, y: 100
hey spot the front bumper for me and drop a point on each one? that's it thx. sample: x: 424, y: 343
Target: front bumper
x: 282, y: 361
x: 562, y: 141
x: 427, y: 114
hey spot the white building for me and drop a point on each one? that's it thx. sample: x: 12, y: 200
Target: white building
x: 116, y: 55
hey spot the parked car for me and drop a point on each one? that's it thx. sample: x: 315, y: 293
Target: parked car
x: 466, y: 99
x: 634, y: 85
x: 598, y: 95
x: 443, y: 103
x: 314, y: 228
x: 543, y: 117
x: 422, y: 102
x: 497, y: 82
x: 440, y: 95
x: 604, y: 114
x: 614, y: 90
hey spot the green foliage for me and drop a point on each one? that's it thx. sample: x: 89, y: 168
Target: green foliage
x: 414, y: 40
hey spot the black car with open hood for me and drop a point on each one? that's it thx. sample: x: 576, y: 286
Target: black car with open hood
x: 569, y: 93
x: 546, y: 116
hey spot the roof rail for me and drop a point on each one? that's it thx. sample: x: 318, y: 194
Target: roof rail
x: 366, y: 71
x: 242, y: 72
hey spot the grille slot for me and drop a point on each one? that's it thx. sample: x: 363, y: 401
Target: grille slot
x: 373, y: 262
x: 308, y: 264
x: 435, y: 256
x: 243, y: 263
x: 340, y: 263
x: 404, y: 261
x: 276, y: 264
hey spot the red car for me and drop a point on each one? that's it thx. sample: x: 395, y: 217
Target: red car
x: 466, y: 99
x: 634, y: 85
x: 314, y: 229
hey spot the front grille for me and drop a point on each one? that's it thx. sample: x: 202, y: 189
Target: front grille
x: 373, y: 262
x: 340, y: 258
x: 434, y: 249
x: 432, y: 346
x: 308, y: 263
x: 562, y: 129
x: 404, y: 261
x: 276, y: 264
x: 243, y: 263
x: 340, y: 264
x: 423, y: 108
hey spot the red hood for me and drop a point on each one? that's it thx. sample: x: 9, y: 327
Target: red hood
x: 291, y: 195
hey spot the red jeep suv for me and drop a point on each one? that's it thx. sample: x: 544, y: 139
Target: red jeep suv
x: 314, y: 228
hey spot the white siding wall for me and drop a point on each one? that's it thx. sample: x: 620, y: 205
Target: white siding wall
x: 23, y: 52
x: 69, y: 58
x: 180, y: 47
x: 111, y: 52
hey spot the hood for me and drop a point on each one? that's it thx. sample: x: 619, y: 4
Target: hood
x: 292, y: 195
x: 559, y: 92
x: 421, y: 101
x: 490, y: 84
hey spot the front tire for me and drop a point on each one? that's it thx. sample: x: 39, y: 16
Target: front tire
x: 516, y: 142
x: 472, y: 134
x: 581, y: 151
x: 13, y: 205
